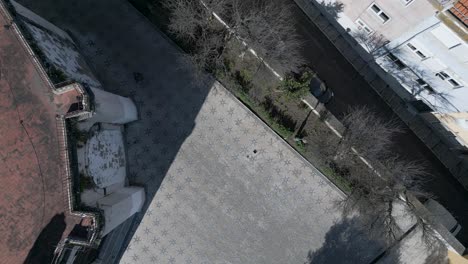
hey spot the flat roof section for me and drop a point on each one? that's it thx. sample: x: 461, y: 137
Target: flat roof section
x: 460, y: 10
x: 33, y: 208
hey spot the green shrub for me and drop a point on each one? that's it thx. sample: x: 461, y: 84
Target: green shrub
x: 300, y: 146
x: 296, y: 86
x: 264, y: 114
x: 244, y: 78
x: 279, y: 116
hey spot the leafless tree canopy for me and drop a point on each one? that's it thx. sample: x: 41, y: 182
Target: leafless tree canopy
x: 268, y: 28
x: 265, y: 26
x: 376, y: 192
x: 370, y: 135
x: 372, y: 42
x: 196, y: 27
x: 380, y: 191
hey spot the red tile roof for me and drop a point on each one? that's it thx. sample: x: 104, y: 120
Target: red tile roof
x: 31, y: 182
x: 460, y: 10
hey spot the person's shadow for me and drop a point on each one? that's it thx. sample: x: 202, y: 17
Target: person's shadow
x: 45, y: 244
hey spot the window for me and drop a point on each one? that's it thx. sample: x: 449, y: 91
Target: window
x: 375, y: 8
x: 364, y: 27
x: 453, y: 82
x: 446, y: 77
x: 442, y: 75
x: 425, y: 85
x: 400, y: 65
x: 416, y: 51
x: 379, y: 13
x: 384, y: 17
x: 406, y: 2
x: 420, y: 54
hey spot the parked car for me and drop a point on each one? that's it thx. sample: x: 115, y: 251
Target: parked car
x: 318, y: 89
x: 443, y: 216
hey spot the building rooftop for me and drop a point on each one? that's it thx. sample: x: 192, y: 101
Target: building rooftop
x: 32, y: 192
x: 460, y: 10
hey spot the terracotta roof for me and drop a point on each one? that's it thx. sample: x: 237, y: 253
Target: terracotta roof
x: 32, y: 195
x: 460, y: 10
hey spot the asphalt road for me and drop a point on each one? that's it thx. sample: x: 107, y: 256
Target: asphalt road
x: 351, y: 89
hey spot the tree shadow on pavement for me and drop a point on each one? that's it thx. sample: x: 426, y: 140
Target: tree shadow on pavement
x: 350, y: 241
x: 45, y: 244
x: 334, y: 8
x: 347, y: 242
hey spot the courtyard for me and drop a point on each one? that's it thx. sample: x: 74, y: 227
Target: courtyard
x: 221, y: 186
x: 235, y: 192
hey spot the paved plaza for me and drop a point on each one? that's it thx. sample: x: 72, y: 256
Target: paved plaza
x: 221, y: 186
x: 234, y: 193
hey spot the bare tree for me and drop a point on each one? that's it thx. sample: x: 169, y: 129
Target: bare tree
x: 268, y: 28
x: 366, y: 134
x: 202, y: 36
x: 380, y: 195
x: 264, y: 26
x: 383, y: 194
x: 385, y: 186
x: 373, y: 42
x: 326, y: 142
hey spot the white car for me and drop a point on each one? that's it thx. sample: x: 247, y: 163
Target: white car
x: 443, y: 216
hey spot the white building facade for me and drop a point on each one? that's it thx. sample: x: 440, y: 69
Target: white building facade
x: 423, y: 43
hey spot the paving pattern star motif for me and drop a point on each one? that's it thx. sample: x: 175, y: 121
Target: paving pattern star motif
x: 221, y: 189
x: 221, y: 186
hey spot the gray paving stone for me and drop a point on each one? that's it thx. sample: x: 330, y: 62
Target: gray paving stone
x: 221, y: 186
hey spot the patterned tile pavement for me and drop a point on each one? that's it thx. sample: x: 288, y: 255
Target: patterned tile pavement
x: 221, y: 186
x: 234, y: 193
